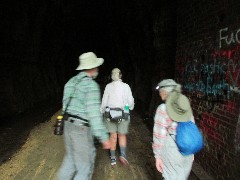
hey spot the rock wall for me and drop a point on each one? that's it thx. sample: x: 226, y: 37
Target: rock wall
x: 208, y: 67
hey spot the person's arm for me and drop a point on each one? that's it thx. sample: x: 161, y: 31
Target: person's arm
x: 159, y: 134
x: 130, y: 98
x: 94, y: 116
x: 67, y: 92
x: 104, y: 99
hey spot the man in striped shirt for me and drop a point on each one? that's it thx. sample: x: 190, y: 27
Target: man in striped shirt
x: 81, y: 101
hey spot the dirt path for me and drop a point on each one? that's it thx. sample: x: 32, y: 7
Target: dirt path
x: 39, y: 158
x: 41, y: 155
x: 139, y: 154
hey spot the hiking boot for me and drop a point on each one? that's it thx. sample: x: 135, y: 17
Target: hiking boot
x: 113, y: 161
x: 123, y: 160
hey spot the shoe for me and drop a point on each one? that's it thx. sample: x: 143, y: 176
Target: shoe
x: 113, y: 161
x: 123, y: 160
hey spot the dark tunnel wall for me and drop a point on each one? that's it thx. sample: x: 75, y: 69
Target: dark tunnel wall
x: 41, y: 42
x: 208, y: 66
x: 31, y: 58
x: 40, y: 45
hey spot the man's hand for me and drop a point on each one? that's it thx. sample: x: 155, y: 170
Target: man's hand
x: 159, y: 165
x: 106, y: 145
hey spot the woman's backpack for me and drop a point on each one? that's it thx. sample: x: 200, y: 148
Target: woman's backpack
x: 189, y: 138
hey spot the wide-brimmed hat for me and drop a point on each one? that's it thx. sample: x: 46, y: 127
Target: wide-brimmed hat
x: 89, y: 60
x: 178, y: 107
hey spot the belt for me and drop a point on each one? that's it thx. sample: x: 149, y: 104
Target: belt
x: 80, y: 121
x: 77, y: 122
x: 116, y: 109
x: 77, y: 117
x: 118, y: 121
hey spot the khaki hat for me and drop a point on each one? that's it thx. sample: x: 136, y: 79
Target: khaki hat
x: 178, y: 107
x: 89, y: 61
x: 166, y: 83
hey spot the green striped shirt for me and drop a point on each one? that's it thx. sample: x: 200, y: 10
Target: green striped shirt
x: 85, y: 103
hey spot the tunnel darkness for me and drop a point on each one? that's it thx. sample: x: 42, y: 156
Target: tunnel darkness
x: 41, y: 42
x: 148, y: 40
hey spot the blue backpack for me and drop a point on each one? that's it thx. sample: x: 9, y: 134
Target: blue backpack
x: 189, y: 138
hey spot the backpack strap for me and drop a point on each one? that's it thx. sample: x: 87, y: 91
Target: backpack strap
x: 70, y: 99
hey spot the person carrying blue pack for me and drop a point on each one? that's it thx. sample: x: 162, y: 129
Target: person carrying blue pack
x: 188, y: 137
x: 169, y: 160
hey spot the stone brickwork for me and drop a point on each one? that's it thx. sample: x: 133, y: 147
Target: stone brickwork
x: 208, y: 67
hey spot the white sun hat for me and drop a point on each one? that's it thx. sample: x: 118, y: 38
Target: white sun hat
x: 89, y: 60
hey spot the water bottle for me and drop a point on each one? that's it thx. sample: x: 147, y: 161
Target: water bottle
x: 59, y: 126
x: 126, y: 112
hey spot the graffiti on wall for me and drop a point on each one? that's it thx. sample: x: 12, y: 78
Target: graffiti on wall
x: 206, y: 79
x: 228, y: 39
x: 215, y: 74
x: 212, y: 78
x: 231, y: 59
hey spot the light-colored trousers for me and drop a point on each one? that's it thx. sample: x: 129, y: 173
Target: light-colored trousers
x: 80, y: 153
x: 175, y: 165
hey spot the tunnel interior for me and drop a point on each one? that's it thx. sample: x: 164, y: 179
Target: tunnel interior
x: 41, y: 46
x: 147, y: 40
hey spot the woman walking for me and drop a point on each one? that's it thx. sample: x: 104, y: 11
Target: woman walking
x: 176, y: 107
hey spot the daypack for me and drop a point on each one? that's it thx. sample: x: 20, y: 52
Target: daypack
x: 189, y: 138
